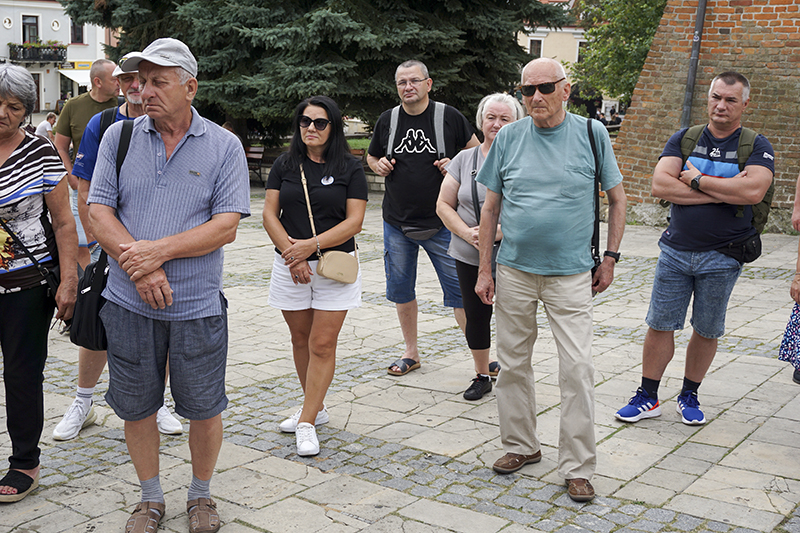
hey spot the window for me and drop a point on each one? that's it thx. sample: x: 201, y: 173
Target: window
x: 535, y: 48
x: 30, y: 29
x: 76, y: 32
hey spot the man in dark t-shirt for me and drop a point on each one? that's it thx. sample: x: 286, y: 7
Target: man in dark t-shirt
x: 414, y: 174
x: 712, y: 212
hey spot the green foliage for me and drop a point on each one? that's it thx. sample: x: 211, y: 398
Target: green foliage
x: 259, y: 58
x: 620, y: 33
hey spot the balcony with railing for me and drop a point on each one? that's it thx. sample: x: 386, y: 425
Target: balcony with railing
x: 38, y: 52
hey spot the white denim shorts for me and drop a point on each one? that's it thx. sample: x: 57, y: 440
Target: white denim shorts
x: 321, y: 293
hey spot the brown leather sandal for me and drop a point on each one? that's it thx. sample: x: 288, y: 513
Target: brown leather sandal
x: 580, y: 490
x: 203, y: 516
x: 145, y: 518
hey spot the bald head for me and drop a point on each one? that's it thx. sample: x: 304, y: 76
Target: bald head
x: 546, y: 66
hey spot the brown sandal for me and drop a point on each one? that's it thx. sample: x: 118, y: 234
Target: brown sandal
x: 580, y: 490
x: 145, y: 517
x: 203, y: 516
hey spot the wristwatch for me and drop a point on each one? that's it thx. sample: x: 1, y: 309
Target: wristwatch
x: 695, y: 184
x: 614, y: 255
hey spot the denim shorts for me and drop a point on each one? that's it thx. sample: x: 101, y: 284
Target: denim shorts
x: 400, y: 262
x: 137, y: 357
x: 709, y: 276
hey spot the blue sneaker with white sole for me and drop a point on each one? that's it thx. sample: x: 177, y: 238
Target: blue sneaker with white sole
x: 640, y: 406
x: 689, y: 409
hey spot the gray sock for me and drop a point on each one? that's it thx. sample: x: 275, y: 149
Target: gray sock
x: 151, y: 490
x: 199, y: 489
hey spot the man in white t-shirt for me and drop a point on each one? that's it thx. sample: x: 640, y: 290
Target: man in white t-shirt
x: 45, y: 127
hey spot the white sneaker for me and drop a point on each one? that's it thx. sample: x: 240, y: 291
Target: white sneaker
x: 168, y: 424
x: 75, y: 419
x: 290, y: 424
x: 307, y: 442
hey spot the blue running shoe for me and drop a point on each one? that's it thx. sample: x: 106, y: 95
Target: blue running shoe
x: 689, y: 409
x: 640, y: 406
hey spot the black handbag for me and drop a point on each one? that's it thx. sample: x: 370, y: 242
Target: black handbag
x: 87, y: 329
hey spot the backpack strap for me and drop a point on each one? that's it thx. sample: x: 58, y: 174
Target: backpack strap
x: 395, y: 118
x: 747, y: 138
x: 689, y: 141
x: 595, y: 195
x: 438, y: 128
x: 124, y: 143
x: 107, y: 118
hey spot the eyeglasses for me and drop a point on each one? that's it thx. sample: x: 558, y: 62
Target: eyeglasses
x: 319, y: 123
x: 543, y: 88
x: 413, y: 83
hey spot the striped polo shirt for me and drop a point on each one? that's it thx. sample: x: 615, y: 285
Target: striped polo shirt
x: 155, y: 198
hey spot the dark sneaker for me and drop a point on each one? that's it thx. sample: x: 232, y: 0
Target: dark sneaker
x: 796, y: 376
x: 640, y: 406
x: 689, y: 408
x: 480, y: 386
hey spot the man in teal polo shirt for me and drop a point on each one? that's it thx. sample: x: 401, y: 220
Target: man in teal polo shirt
x: 542, y: 170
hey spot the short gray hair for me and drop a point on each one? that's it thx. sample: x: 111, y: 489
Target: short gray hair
x: 732, y: 78
x: 18, y: 83
x: 410, y: 64
x: 183, y: 75
x: 506, y: 99
x: 98, y: 67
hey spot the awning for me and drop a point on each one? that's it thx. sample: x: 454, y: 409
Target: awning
x: 80, y: 76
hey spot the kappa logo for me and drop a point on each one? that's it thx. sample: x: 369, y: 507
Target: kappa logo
x: 415, y: 142
x: 715, y: 153
x: 769, y: 156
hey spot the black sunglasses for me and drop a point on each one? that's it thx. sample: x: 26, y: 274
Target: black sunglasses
x: 544, y: 88
x: 319, y: 123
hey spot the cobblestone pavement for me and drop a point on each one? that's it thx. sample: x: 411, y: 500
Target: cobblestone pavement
x: 410, y: 454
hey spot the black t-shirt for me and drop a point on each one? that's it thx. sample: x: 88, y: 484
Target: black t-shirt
x: 328, y: 195
x: 413, y: 187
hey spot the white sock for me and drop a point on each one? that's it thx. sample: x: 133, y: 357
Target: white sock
x: 85, y: 394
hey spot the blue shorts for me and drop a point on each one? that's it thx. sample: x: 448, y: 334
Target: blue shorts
x: 400, y: 262
x: 710, y: 276
x: 137, y: 357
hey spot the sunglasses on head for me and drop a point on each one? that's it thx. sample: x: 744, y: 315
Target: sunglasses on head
x: 319, y: 123
x: 544, y: 88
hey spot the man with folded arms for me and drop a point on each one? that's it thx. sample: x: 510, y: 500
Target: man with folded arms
x: 163, y: 221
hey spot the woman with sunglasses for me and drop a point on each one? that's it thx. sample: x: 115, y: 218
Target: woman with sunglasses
x: 314, y: 307
x: 456, y: 207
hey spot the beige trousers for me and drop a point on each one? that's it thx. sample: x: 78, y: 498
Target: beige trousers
x: 567, y: 301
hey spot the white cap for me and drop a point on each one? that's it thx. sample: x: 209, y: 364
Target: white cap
x: 118, y: 69
x: 164, y: 52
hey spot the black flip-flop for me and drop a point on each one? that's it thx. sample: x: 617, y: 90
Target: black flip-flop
x: 405, y: 365
x: 22, y: 482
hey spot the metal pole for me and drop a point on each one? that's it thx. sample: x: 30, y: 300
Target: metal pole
x: 690, y: 79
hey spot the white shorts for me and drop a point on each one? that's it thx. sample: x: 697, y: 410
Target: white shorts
x: 322, y: 293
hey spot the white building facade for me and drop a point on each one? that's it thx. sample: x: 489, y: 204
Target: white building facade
x: 38, y: 35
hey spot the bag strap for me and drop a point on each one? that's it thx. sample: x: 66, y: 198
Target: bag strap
x: 311, y: 216
x: 595, y: 194
x: 475, y: 201
x: 124, y: 143
x: 438, y: 128
x: 393, y: 121
x: 689, y: 141
x: 107, y: 118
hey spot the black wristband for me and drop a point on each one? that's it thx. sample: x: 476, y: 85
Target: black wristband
x: 614, y: 255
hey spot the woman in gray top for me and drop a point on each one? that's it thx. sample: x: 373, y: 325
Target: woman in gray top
x: 459, y: 211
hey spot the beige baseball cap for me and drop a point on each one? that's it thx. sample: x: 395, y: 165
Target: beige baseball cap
x: 118, y: 69
x: 166, y: 52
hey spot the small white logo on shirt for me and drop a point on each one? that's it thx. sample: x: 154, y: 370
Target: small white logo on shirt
x: 715, y: 153
x: 327, y: 180
x: 768, y: 156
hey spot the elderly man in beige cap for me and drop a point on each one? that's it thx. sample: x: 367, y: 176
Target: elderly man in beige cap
x: 163, y: 220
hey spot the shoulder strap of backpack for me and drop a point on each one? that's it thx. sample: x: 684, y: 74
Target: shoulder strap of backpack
x: 689, y: 141
x: 107, y: 118
x: 438, y: 128
x: 124, y: 143
x: 595, y: 194
x: 395, y: 118
x: 747, y: 138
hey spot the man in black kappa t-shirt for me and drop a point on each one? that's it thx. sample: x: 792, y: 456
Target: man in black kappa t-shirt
x: 413, y: 178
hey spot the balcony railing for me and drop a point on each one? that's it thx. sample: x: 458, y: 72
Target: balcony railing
x: 49, y: 54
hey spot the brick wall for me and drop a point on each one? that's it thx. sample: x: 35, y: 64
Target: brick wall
x: 760, y: 39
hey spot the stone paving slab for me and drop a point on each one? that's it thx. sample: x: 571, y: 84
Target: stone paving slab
x: 410, y: 454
